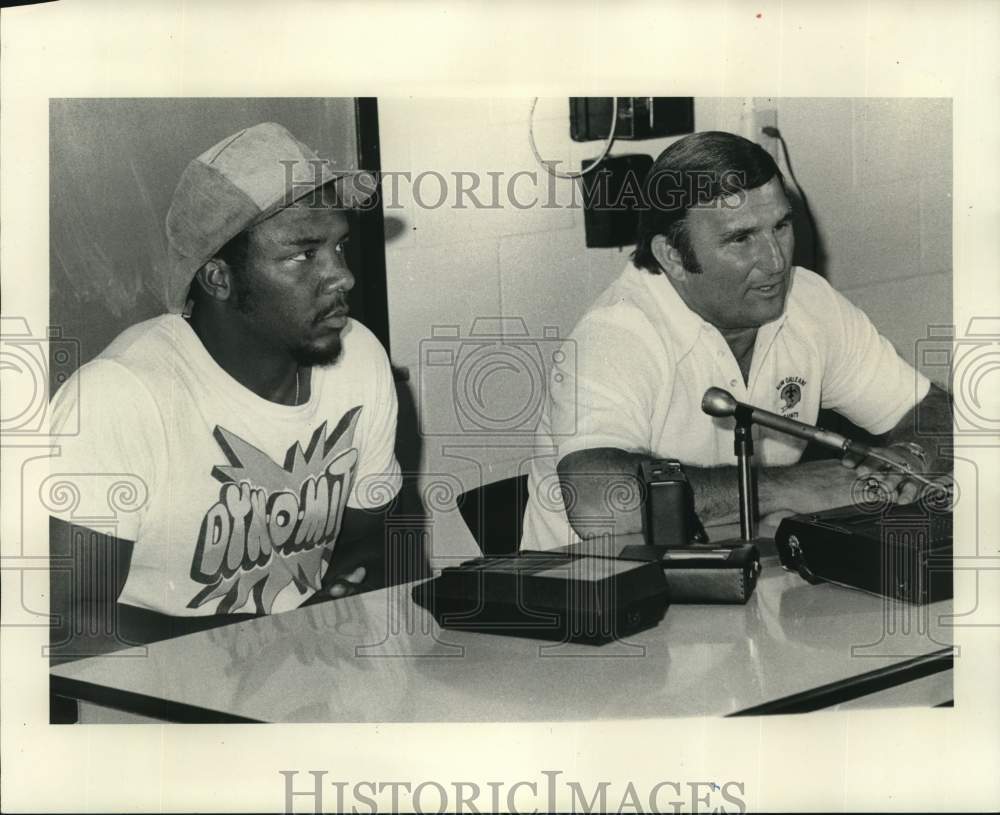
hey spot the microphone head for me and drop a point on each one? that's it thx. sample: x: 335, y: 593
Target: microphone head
x: 717, y: 402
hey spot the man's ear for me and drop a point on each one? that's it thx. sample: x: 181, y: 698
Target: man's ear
x: 668, y: 257
x: 215, y: 279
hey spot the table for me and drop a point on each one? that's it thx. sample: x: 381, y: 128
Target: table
x: 378, y: 657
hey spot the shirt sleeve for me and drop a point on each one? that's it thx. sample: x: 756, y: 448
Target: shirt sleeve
x: 378, y: 477
x: 602, y: 393
x: 109, y: 435
x: 865, y: 378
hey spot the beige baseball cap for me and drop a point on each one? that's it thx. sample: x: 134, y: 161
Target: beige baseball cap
x: 239, y: 182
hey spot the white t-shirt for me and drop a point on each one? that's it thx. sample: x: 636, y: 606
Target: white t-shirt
x: 638, y: 363
x: 231, y: 499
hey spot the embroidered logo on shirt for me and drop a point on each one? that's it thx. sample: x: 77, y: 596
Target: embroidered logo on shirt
x: 271, y: 523
x: 790, y: 394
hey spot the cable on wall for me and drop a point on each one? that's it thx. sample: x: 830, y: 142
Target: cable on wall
x: 573, y: 174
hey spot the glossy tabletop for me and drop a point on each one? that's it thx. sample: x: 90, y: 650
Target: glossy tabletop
x: 379, y: 657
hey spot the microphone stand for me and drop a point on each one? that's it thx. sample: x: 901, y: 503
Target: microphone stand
x: 743, y: 447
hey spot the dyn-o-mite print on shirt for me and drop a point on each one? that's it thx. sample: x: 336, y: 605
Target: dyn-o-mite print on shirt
x: 271, y: 523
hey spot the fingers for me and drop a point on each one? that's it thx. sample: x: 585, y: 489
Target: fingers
x: 851, y: 460
x: 347, y: 584
x: 886, y: 481
x: 357, y: 576
x: 895, y: 487
x: 908, y: 492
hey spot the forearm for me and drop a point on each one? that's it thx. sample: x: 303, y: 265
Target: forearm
x: 601, y: 491
x: 87, y: 571
x: 356, y: 565
x: 794, y: 487
x: 596, y: 483
x: 86, y: 567
x: 362, y: 543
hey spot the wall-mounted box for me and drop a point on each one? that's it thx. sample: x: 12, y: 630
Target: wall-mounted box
x: 612, y: 196
x: 638, y: 117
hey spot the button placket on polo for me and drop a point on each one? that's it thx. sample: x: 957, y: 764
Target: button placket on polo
x: 727, y: 365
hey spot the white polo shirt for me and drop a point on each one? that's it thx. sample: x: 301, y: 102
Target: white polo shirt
x: 637, y: 365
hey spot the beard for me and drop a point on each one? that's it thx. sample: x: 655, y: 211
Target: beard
x: 306, y: 354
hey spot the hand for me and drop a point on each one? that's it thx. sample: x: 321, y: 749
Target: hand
x: 898, y: 487
x: 348, y: 584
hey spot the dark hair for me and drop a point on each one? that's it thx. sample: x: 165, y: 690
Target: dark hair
x: 234, y: 253
x: 695, y: 171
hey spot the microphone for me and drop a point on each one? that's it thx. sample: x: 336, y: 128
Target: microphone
x: 719, y: 402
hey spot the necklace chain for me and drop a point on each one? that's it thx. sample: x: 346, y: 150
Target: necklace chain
x: 297, y: 371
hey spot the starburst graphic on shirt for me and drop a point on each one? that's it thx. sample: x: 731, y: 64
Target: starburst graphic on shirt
x: 273, y: 525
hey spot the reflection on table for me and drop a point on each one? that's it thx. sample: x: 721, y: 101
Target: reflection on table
x: 379, y: 657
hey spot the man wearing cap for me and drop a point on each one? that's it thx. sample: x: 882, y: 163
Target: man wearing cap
x: 711, y: 299
x: 253, y: 425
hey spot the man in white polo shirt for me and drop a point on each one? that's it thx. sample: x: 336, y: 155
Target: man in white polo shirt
x: 711, y: 299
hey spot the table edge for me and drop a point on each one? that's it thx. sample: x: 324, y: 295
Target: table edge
x: 854, y: 687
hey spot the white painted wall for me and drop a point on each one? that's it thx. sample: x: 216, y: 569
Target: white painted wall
x: 878, y: 174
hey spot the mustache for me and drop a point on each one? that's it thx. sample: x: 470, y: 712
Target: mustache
x: 338, y: 307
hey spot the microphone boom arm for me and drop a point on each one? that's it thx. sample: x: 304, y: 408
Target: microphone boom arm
x: 719, y: 402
